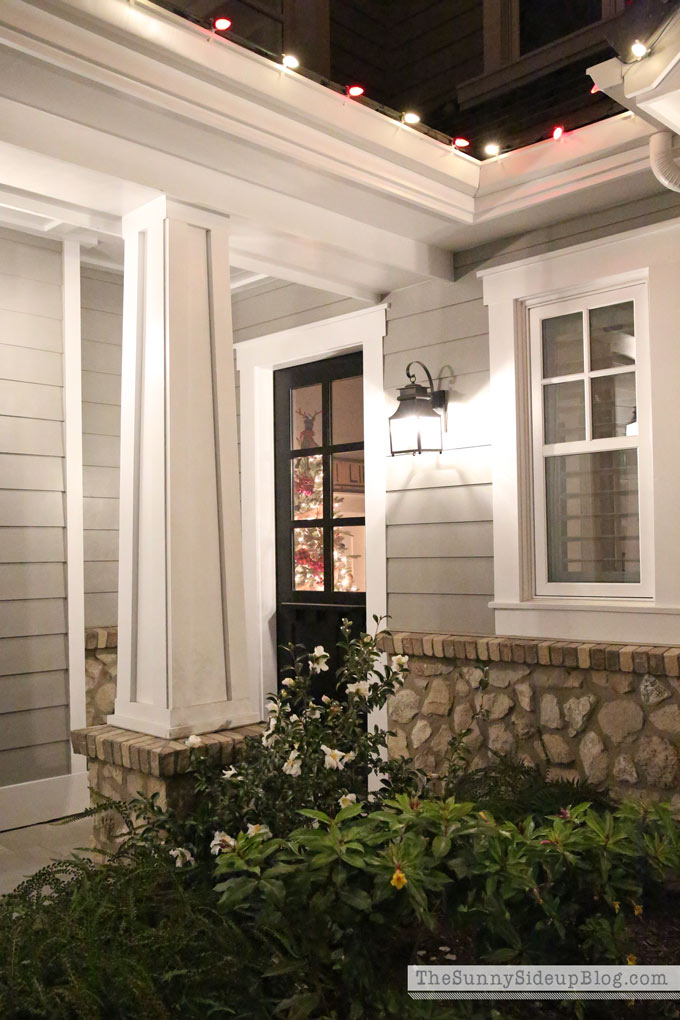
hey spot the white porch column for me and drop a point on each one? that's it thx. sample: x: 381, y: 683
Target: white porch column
x: 181, y: 647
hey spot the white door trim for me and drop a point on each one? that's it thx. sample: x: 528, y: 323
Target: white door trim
x: 256, y: 362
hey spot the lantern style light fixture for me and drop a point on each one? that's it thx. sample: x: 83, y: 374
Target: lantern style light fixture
x: 417, y: 426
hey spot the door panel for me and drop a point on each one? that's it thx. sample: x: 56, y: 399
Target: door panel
x: 320, y: 510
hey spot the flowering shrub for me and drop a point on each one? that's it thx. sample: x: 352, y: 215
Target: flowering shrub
x: 313, y: 753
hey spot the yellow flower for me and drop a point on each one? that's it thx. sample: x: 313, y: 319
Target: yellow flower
x: 616, y: 905
x: 631, y: 960
x: 637, y: 909
x: 399, y: 879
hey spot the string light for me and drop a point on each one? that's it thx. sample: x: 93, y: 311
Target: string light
x: 221, y: 24
x: 354, y: 90
x: 594, y: 90
x: 289, y: 61
x: 410, y: 118
x: 460, y: 143
x: 638, y: 49
x: 492, y: 148
x: 557, y: 132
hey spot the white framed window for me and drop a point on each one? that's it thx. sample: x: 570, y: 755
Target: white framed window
x: 605, y: 599
x: 590, y: 432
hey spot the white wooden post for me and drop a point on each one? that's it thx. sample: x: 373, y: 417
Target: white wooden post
x: 181, y: 651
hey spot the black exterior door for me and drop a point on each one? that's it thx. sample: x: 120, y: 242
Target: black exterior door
x: 320, y: 510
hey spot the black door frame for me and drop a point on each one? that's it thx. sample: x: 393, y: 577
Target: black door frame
x: 290, y: 602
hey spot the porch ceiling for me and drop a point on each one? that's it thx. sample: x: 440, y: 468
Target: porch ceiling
x: 105, y: 104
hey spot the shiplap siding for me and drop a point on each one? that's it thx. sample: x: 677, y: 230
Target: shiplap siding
x: 33, y: 660
x: 439, y: 530
x: 102, y: 326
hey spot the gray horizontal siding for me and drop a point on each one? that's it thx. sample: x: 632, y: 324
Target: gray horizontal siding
x: 34, y: 690
x: 25, y: 764
x: 441, y: 614
x: 102, y: 327
x: 274, y: 305
x: 33, y: 659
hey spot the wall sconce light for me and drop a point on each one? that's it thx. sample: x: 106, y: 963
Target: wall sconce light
x: 417, y: 426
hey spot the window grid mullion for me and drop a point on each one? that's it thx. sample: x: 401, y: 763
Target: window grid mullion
x: 586, y: 366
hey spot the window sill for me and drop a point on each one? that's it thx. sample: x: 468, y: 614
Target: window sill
x: 632, y: 622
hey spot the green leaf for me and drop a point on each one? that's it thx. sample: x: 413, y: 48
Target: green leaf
x: 349, y: 812
x: 356, y: 898
x: 441, y: 846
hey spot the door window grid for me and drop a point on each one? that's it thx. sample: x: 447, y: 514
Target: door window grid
x: 325, y: 518
x: 589, y: 525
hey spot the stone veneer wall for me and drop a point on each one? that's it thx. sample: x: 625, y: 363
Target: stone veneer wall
x: 609, y: 714
x: 101, y: 669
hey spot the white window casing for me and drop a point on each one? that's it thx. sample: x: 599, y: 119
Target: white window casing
x: 531, y: 600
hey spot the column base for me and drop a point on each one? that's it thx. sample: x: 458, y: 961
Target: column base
x: 177, y: 723
x: 122, y: 764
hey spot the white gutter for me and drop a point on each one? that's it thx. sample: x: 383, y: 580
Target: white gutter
x: 664, y: 166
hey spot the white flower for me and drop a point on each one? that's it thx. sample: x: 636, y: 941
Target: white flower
x: 294, y: 718
x: 194, y: 741
x: 288, y: 682
x: 318, y: 660
x: 347, y: 799
x: 292, y: 767
x: 313, y: 713
x: 400, y: 663
x: 231, y: 773
x: 326, y: 700
x: 268, y: 734
x: 272, y: 707
x: 259, y: 830
x: 361, y: 687
x: 221, y: 843
x: 334, y: 759
x: 367, y: 639
x: 182, y: 857
x: 350, y: 756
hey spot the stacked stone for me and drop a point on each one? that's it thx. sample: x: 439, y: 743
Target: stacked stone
x: 122, y: 765
x: 606, y: 714
x: 101, y: 669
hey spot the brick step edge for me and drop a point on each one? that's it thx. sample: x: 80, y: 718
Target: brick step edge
x: 655, y: 659
x: 153, y: 756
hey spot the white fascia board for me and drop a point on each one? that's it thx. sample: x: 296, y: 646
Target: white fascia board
x: 649, y: 87
x: 193, y: 183
x: 594, y: 154
x: 163, y: 60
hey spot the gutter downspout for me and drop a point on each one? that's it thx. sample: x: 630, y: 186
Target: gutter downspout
x: 664, y: 166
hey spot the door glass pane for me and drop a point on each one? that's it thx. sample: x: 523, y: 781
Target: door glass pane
x: 612, y: 336
x: 308, y: 559
x: 348, y: 484
x: 614, y: 405
x: 347, y: 410
x: 307, y: 487
x: 562, y: 345
x: 349, y: 558
x: 593, y: 517
x: 564, y: 412
x: 306, y: 423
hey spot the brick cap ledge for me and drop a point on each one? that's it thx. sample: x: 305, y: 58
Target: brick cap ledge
x: 101, y: 637
x: 153, y: 756
x: 655, y: 659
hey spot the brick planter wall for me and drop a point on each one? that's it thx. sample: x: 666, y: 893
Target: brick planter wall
x: 607, y: 713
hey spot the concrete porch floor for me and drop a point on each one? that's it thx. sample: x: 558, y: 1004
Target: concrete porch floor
x: 25, y: 851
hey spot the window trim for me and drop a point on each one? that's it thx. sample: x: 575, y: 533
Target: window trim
x: 647, y: 253
x: 536, y: 312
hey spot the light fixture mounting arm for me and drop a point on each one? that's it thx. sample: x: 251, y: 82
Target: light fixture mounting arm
x: 438, y: 397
